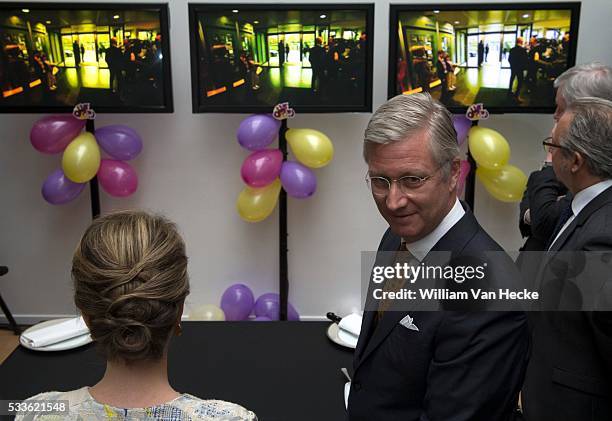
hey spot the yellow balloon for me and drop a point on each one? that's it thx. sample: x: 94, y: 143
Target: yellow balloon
x: 207, y: 312
x: 489, y: 148
x: 81, y: 159
x: 311, y: 147
x: 506, y: 184
x: 256, y: 204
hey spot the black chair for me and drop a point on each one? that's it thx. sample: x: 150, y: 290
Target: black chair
x: 5, y: 309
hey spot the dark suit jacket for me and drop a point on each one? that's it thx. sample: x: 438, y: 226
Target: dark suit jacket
x: 441, y: 70
x: 518, y: 58
x: 569, y: 376
x: 458, y: 366
x: 543, y: 190
x: 317, y: 57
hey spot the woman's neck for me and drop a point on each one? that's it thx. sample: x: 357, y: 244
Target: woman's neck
x: 135, y: 385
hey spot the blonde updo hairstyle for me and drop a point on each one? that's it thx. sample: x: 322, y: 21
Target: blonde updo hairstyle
x: 130, y: 282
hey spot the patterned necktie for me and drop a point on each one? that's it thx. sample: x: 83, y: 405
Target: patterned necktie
x: 402, y: 256
x: 566, y: 213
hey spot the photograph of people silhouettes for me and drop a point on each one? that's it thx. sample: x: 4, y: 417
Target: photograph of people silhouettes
x: 56, y: 55
x: 505, y: 56
x: 250, y: 58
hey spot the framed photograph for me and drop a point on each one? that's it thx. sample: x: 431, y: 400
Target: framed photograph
x: 504, y: 55
x: 250, y: 57
x: 114, y: 56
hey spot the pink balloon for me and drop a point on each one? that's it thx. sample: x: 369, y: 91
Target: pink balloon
x: 117, y: 178
x: 261, y: 167
x: 464, y: 170
x: 52, y: 134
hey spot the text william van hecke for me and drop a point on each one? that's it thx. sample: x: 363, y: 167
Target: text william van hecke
x: 447, y: 294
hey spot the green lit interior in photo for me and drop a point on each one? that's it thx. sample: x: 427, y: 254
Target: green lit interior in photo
x: 57, y: 34
x: 224, y: 35
x: 459, y: 32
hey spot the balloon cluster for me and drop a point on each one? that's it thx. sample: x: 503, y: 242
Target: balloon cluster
x: 238, y: 303
x: 81, y: 159
x: 491, y: 152
x: 264, y: 170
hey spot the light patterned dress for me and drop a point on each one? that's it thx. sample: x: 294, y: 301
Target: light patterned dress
x: 185, y: 407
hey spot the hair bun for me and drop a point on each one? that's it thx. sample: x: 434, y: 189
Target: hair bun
x: 131, y: 339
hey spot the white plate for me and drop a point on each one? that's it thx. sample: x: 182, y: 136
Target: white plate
x: 59, y: 346
x: 332, y: 333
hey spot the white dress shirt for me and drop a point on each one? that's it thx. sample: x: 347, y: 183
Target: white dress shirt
x: 421, y: 247
x: 581, y: 199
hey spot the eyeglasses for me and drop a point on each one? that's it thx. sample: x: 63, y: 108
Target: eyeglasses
x: 549, y: 146
x: 381, y: 186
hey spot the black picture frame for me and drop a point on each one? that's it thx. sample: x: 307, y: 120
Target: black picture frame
x: 195, y: 8
x: 161, y: 8
x: 396, y: 9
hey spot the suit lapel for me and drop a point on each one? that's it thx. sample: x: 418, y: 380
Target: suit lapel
x: 367, y: 326
x: 382, y: 330
x: 565, y: 235
x: 601, y: 199
x: 454, y: 240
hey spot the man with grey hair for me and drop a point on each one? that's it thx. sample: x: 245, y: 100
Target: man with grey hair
x: 569, y: 376
x: 545, y: 195
x: 586, y: 80
x: 430, y: 365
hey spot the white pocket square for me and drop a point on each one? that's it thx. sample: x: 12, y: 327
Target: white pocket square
x: 408, y: 322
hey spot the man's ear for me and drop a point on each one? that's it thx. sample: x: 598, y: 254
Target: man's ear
x: 577, y: 162
x: 455, y: 171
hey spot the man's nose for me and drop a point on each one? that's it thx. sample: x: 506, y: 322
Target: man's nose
x: 396, y: 199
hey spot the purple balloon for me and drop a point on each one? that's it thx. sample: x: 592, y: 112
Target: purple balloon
x: 237, y: 302
x: 117, y: 178
x: 59, y: 189
x: 261, y: 167
x: 462, y: 126
x: 120, y: 142
x: 52, y: 134
x: 262, y: 319
x: 268, y: 305
x: 258, y: 131
x: 298, y: 180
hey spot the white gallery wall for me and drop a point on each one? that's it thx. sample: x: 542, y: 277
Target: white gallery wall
x: 190, y: 171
